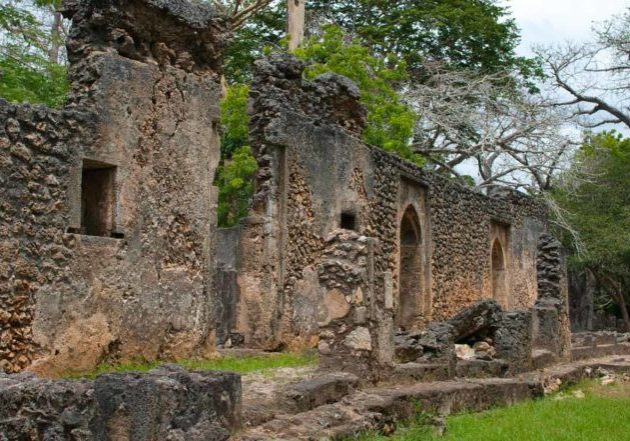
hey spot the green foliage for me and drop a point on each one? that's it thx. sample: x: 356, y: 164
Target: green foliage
x: 264, y: 29
x: 477, y: 35
x: 26, y: 73
x: 595, y: 195
x: 234, y: 119
x: 236, y: 172
x: 27, y: 78
x: 235, y: 182
x: 390, y: 121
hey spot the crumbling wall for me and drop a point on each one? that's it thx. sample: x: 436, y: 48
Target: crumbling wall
x: 167, y: 403
x: 317, y: 176
x: 551, y: 311
x: 143, y: 105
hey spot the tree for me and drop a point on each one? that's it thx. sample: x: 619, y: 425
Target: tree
x: 296, y: 10
x: 595, y: 200
x: 593, y: 79
x: 477, y: 35
x: 235, y: 175
x: 240, y: 11
x: 390, y: 120
x: 489, y: 122
x: 31, y: 66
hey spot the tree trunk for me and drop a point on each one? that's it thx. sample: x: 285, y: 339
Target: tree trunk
x: 617, y: 295
x: 621, y: 302
x: 53, y: 55
x: 296, y: 13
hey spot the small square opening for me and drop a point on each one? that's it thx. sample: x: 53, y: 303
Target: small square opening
x: 348, y: 221
x: 98, y: 198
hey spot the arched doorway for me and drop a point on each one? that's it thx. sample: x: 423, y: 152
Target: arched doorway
x: 499, y: 290
x: 410, y: 277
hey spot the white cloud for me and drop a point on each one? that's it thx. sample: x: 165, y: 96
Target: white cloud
x: 550, y: 21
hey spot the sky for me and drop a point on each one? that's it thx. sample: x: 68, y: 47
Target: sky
x: 549, y: 21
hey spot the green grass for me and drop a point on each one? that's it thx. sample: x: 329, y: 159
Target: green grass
x: 602, y: 415
x: 237, y: 364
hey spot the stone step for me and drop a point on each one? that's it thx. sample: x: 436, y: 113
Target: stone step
x: 328, y: 388
x: 381, y: 407
x: 406, y: 373
x: 265, y: 402
x: 541, y: 358
x: 586, y: 352
x: 481, y: 368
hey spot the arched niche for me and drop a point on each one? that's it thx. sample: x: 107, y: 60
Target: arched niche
x: 411, y: 270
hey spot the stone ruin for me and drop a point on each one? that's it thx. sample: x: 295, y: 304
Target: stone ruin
x: 372, y: 258
x: 107, y: 220
x: 109, y: 249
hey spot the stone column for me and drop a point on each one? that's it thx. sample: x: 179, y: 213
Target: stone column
x: 353, y: 322
x: 551, y: 310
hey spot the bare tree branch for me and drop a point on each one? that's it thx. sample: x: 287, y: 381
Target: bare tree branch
x: 511, y: 137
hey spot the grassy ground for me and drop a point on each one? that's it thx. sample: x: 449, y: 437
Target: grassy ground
x: 227, y: 363
x: 602, y: 414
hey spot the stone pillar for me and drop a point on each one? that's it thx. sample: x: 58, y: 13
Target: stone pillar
x: 551, y: 310
x: 353, y: 323
x: 513, y: 340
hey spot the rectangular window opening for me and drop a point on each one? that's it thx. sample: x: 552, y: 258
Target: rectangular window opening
x: 348, y: 221
x: 98, y: 199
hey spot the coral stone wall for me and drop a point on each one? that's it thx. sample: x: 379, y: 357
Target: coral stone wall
x: 144, y: 110
x: 317, y: 177
x: 168, y: 403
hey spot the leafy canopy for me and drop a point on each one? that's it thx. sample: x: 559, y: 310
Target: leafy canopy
x: 390, y: 121
x: 597, y: 200
x: 235, y: 182
x: 236, y: 174
x: 26, y: 71
x: 477, y: 35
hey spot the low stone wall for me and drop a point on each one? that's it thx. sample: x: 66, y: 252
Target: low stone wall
x: 168, y: 403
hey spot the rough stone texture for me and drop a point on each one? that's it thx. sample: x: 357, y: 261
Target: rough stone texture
x: 323, y: 389
x: 480, y: 316
x: 380, y: 408
x: 513, y: 340
x: 434, y: 344
x: 168, y: 403
x: 315, y: 174
x: 350, y: 337
x: 551, y: 311
x: 187, y: 35
x: 71, y: 300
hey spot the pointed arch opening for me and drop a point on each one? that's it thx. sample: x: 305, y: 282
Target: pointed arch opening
x: 411, y: 270
x: 499, y: 289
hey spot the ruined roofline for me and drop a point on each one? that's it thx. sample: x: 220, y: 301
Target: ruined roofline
x: 333, y: 100
x: 187, y: 34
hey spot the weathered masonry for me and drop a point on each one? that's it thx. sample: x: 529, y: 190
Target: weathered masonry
x: 107, y: 214
x: 342, y: 231
x: 108, y: 242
